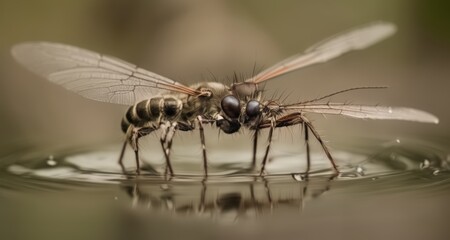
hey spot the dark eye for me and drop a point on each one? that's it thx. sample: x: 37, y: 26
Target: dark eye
x: 231, y: 106
x: 252, y: 110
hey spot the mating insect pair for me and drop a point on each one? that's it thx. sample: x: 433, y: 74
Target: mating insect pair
x: 159, y: 103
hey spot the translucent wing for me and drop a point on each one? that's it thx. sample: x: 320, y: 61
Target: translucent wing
x: 367, y: 112
x: 93, y: 75
x: 333, y: 47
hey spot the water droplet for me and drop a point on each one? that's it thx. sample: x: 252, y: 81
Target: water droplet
x: 298, y: 177
x: 397, y: 140
x: 164, y: 186
x: 374, y: 178
x: 425, y: 164
x: 436, y: 172
x: 360, y: 170
x: 50, y: 161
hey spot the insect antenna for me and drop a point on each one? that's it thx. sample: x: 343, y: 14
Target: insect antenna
x: 342, y: 91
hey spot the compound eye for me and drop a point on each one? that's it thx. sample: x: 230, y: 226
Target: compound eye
x: 231, y: 106
x: 252, y: 110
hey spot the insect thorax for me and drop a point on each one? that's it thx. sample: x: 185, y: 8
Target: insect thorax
x: 206, y: 106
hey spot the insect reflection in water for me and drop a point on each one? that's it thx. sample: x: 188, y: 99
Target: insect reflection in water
x: 225, y: 200
x: 159, y: 103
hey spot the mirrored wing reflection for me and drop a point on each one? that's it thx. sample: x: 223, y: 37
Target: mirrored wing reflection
x: 226, y: 200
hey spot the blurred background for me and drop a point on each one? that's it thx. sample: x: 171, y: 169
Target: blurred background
x: 189, y: 41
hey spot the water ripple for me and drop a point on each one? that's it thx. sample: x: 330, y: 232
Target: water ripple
x: 393, y: 168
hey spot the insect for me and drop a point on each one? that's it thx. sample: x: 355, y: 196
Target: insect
x: 159, y: 103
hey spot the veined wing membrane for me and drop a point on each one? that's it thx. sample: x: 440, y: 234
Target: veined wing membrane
x: 328, y: 49
x: 93, y: 75
x: 366, y: 112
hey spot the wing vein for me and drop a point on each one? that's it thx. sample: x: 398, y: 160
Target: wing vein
x: 93, y: 75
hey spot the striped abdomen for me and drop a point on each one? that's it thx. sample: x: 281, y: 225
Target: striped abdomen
x: 152, y: 110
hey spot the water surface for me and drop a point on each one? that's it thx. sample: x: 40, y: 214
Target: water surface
x: 398, y: 186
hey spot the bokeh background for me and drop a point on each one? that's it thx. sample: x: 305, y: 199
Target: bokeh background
x: 190, y: 40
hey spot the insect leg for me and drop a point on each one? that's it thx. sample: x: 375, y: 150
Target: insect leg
x: 122, y: 154
x: 308, y: 156
x: 255, y: 146
x: 269, y: 142
x: 170, y: 135
x: 164, y: 132
x: 133, y: 134
x: 202, y: 139
x: 134, y: 141
x: 169, y: 138
x: 324, y: 147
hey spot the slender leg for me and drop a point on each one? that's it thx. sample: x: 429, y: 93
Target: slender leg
x: 255, y: 146
x: 163, y: 137
x: 165, y: 132
x: 162, y: 140
x: 202, y: 139
x: 132, y: 137
x: 164, y: 127
x: 324, y: 147
x: 135, y: 144
x: 294, y: 119
x: 122, y: 153
x: 169, y: 138
x: 308, y: 156
x: 269, y: 142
